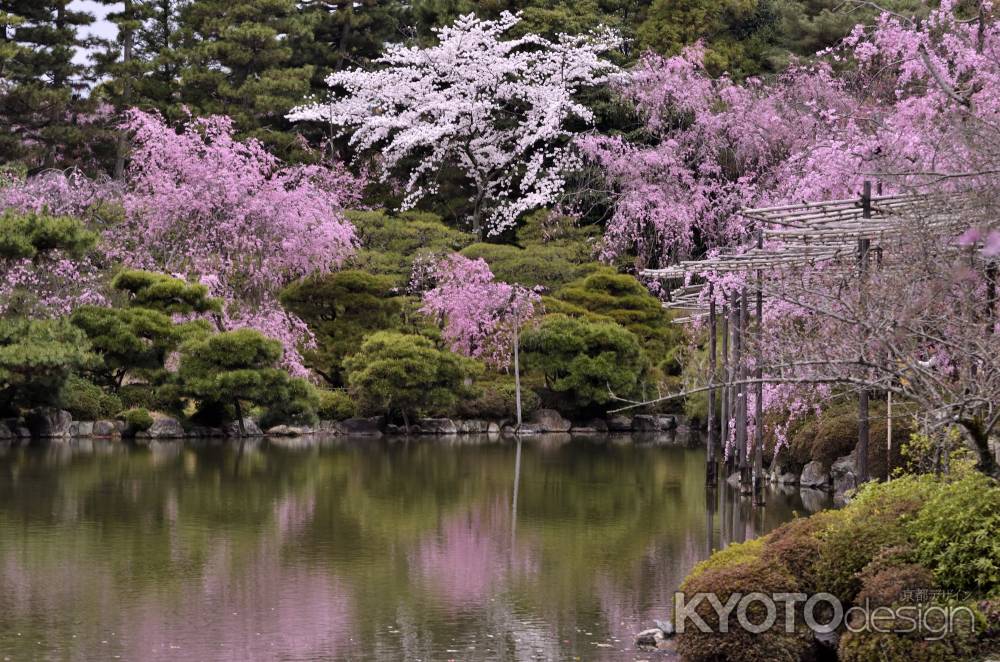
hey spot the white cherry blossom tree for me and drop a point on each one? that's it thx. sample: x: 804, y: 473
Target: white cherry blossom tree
x: 496, y: 108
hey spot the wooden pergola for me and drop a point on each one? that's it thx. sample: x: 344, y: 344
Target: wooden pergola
x: 837, y: 233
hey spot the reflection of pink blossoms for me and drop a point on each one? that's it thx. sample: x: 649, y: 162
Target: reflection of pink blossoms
x: 480, y: 314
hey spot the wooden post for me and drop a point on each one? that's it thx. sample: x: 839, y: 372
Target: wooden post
x: 724, y: 410
x: 758, y: 453
x: 710, y: 465
x: 517, y: 374
x: 741, y: 416
x: 888, y: 436
x: 863, y: 423
x: 737, y: 387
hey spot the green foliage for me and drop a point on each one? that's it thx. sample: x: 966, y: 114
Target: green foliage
x: 238, y: 62
x: 137, y: 420
x: 87, y: 401
x: 240, y: 366
x: 341, y: 309
x: 36, y: 359
x: 334, y: 405
x: 163, y: 293
x: 581, y: 359
x: 876, y: 519
x: 956, y: 533
x: 957, y: 643
x: 622, y: 299
x: 546, y: 265
x: 741, y: 568
x: 395, y: 372
x: 390, y: 242
x: 42, y: 110
x: 27, y: 235
x: 497, y: 400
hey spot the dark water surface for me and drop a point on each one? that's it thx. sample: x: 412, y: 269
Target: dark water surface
x: 353, y: 549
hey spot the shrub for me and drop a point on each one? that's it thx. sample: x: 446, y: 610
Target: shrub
x: 406, y: 374
x: 540, y: 264
x: 341, y: 309
x: 741, y: 568
x: 582, y: 360
x: 875, y: 520
x: 868, y: 645
x: 956, y: 534
x: 137, y: 420
x: 496, y: 400
x: 241, y: 366
x: 87, y: 401
x: 797, y: 545
x: 335, y: 405
x: 390, y: 242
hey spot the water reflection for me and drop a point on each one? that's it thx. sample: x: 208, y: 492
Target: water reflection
x: 470, y: 549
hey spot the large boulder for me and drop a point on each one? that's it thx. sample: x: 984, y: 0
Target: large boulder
x: 289, y: 431
x: 85, y: 428
x: 436, y: 426
x: 163, y: 427
x: 49, y: 422
x: 5, y: 432
x: 104, y: 429
x: 653, y: 423
x: 815, y: 476
x: 474, y: 426
x: 363, y: 427
x: 549, y: 420
x: 250, y: 429
x: 493, y: 428
x: 844, y: 473
x: 620, y: 424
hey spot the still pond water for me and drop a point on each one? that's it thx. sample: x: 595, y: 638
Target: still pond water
x: 354, y: 549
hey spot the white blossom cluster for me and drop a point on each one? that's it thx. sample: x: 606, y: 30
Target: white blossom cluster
x: 495, y: 108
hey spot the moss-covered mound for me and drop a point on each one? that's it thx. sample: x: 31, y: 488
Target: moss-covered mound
x: 918, y: 541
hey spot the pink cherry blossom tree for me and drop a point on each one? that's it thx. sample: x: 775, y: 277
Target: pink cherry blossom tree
x: 482, y: 317
x: 206, y: 206
x: 495, y: 107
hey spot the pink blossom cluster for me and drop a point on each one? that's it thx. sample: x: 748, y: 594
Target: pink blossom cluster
x: 480, y: 314
x: 206, y: 206
x: 53, y: 284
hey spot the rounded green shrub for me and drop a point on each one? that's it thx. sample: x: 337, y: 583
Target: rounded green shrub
x: 335, y: 405
x: 497, y: 400
x: 957, y: 534
x: 137, y: 420
x: 740, y: 569
x: 86, y: 401
x: 957, y: 644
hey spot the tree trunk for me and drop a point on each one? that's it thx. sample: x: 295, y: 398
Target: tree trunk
x: 239, y: 416
x: 980, y: 439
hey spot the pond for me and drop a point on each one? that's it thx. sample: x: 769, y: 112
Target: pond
x: 354, y: 549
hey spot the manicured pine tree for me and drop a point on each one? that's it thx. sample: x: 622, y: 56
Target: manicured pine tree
x: 237, y: 62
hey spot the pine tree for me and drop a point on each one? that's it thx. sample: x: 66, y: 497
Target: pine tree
x: 238, y: 62
x: 46, y: 117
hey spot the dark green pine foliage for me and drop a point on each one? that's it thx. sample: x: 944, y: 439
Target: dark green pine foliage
x: 238, y: 62
x: 341, y: 309
x: 226, y: 371
x: 583, y: 361
x: 397, y: 373
x: 136, y: 338
x: 341, y: 34
x: 38, y: 356
x: 46, y: 118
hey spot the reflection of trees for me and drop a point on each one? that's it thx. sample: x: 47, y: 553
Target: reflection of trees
x: 349, y: 549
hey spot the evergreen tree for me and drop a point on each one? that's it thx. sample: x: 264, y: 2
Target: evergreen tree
x: 237, y: 62
x: 46, y: 119
x: 341, y: 309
